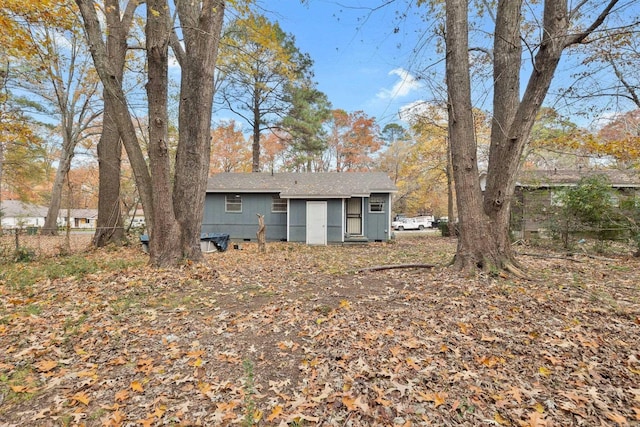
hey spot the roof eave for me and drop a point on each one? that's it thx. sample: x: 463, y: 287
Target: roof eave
x: 315, y: 196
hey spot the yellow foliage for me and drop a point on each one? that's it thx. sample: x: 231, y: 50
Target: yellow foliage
x: 17, y: 15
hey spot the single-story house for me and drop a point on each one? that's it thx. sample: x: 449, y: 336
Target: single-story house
x: 78, y: 218
x: 537, y: 190
x: 18, y: 214
x: 313, y: 208
x: 135, y: 218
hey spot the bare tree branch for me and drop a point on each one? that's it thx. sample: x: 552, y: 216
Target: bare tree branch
x: 579, y: 38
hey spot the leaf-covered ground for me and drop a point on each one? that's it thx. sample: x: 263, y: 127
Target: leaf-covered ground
x: 300, y: 337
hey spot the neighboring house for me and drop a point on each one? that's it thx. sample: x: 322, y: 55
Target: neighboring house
x: 314, y: 208
x: 17, y: 214
x: 537, y: 190
x: 136, y: 220
x: 78, y: 218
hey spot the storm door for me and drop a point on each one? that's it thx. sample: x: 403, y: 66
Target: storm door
x: 354, y: 216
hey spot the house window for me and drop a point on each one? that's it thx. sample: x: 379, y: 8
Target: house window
x: 278, y: 204
x: 233, y: 203
x: 557, y: 198
x: 615, y: 200
x: 376, y: 204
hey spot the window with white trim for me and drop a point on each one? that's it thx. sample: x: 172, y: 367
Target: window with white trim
x: 376, y: 204
x: 278, y: 204
x: 557, y: 197
x: 615, y: 200
x: 233, y: 203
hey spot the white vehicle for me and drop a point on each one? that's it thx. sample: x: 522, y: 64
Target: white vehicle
x: 419, y: 223
x: 396, y: 223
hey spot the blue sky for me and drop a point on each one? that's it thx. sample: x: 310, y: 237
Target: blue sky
x: 360, y: 62
x: 366, y: 59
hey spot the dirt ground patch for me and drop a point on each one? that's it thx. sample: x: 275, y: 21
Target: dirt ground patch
x: 300, y: 336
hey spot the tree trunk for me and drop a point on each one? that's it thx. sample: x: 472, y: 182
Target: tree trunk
x: 484, y: 224
x: 110, y: 227
x: 66, y: 249
x: 450, y: 193
x: 50, y: 227
x: 201, y: 31
x: 255, y: 146
x: 164, y: 243
x: 1, y: 176
x: 503, y: 156
x: 70, y: 91
x: 173, y: 215
x: 109, y: 79
x: 261, y: 234
x: 474, y: 249
x: 514, y: 118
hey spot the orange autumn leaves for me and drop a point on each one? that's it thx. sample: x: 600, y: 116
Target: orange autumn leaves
x: 387, y: 348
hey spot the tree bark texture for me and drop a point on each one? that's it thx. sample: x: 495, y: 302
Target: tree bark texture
x: 122, y: 116
x: 450, y: 192
x: 514, y: 118
x: 201, y: 29
x: 110, y: 227
x: 164, y: 242
x: 261, y: 234
x: 255, y: 146
x: 50, y: 226
x: 484, y: 229
x: 474, y: 249
x: 173, y: 205
x: 1, y: 176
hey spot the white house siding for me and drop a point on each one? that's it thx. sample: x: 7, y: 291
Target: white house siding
x: 17, y: 214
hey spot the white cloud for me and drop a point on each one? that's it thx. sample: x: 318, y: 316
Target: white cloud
x: 403, y: 87
x: 414, y: 110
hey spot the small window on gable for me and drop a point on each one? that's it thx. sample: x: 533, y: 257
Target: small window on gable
x: 278, y: 204
x: 233, y: 203
x: 376, y: 204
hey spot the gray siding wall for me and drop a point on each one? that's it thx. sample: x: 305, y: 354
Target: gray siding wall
x: 243, y: 225
x: 376, y: 224
x: 298, y: 220
x: 334, y: 220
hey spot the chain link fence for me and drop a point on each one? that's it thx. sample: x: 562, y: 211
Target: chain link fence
x: 25, y: 243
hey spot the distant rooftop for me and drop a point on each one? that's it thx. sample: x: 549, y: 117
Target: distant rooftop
x: 15, y: 208
x: 302, y: 185
x: 562, y: 177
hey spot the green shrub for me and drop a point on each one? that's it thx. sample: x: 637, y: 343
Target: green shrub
x: 588, y: 210
x: 23, y: 254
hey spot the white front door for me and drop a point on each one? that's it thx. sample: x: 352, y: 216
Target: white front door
x: 316, y: 223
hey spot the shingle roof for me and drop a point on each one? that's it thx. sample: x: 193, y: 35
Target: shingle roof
x: 84, y: 213
x: 559, y: 178
x: 16, y: 208
x: 302, y: 185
